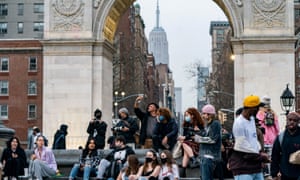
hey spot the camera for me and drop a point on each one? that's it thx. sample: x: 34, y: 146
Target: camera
x: 118, y: 128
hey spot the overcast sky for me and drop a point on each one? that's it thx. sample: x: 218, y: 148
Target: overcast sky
x: 187, y: 26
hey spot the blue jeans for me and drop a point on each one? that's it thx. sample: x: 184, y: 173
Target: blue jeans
x: 86, y: 171
x: 256, y: 176
x: 207, y: 167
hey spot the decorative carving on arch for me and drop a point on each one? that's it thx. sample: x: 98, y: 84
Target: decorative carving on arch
x: 269, y: 13
x: 238, y: 2
x: 67, y: 15
x: 97, y: 3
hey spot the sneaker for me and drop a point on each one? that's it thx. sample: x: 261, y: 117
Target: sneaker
x: 194, y: 164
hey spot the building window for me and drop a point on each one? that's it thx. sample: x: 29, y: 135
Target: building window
x: 32, y: 64
x: 32, y: 87
x: 20, y: 9
x: 38, y: 8
x: 3, y: 87
x: 3, y: 28
x: 4, y: 65
x: 20, y: 27
x: 31, y: 111
x: 220, y: 32
x: 3, y: 111
x: 3, y: 10
x: 38, y: 26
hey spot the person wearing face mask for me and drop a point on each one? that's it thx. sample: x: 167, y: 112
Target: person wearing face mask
x: 192, y: 123
x: 169, y: 168
x: 97, y: 129
x: 247, y: 156
x: 165, y: 132
x: 150, y: 169
x: 111, y: 165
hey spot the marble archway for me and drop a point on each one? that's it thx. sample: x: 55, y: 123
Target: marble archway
x: 78, y: 50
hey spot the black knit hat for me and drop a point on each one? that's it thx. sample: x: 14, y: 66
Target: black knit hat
x: 156, y: 105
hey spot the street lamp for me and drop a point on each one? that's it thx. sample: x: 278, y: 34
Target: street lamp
x: 116, y: 100
x: 287, y: 100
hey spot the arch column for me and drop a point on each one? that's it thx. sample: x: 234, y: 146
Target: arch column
x: 263, y: 44
x: 77, y: 80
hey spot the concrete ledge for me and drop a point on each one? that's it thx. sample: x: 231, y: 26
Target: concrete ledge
x: 67, y: 158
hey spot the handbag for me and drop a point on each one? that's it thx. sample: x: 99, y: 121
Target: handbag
x: 295, y: 157
x: 177, y: 150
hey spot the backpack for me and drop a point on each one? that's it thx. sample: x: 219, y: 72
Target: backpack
x: 269, y: 120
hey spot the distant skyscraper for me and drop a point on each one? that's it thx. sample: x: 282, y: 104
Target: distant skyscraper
x: 158, y: 43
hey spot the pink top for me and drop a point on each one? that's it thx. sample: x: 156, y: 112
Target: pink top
x: 271, y: 132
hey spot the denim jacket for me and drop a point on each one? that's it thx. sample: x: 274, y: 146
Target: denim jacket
x: 210, y: 140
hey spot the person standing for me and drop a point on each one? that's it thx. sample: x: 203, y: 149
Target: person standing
x: 42, y: 163
x: 97, y: 129
x: 32, y: 138
x: 59, y: 141
x: 210, y: 143
x: 148, y: 122
x: 13, y: 159
x: 126, y: 127
x: 247, y: 158
x: 165, y: 132
x: 285, y: 144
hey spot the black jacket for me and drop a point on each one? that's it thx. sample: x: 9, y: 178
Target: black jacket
x: 14, y: 166
x: 169, y: 129
x: 143, y: 116
x: 59, y: 140
x: 100, y: 128
x: 133, y: 128
x: 281, y: 154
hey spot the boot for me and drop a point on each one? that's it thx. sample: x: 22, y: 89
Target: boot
x: 193, y: 162
x: 183, y: 172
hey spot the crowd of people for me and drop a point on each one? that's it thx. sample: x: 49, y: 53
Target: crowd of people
x: 255, y: 146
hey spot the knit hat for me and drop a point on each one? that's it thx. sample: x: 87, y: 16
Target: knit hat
x: 251, y: 101
x: 266, y: 100
x: 124, y: 110
x: 209, y: 109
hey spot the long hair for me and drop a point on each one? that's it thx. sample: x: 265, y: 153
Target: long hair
x: 133, y: 165
x: 154, y: 162
x: 170, y: 159
x: 8, y: 143
x: 87, y: 151
x: 195, y: 116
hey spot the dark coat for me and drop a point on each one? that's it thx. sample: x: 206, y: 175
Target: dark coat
x: 281, y: 153
x: 100, y: 128
x: 14, y: 166
x: 143, y: 116
x: 133, y: 128
x: 169, y: 129
x: 59, y: 140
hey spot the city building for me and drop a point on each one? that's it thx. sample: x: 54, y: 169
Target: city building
x: 220, y: 87
x: 21, y: 61
x: 297, y: 55
x: 158, y: 42
x: 132, y: 51
x: 202, y: 80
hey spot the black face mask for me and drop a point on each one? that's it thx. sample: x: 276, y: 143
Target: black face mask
x: 98, y: 117
x: 147, y: 159
x: 163, y: 160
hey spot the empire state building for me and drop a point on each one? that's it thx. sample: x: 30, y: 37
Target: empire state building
x: 158, y: 43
